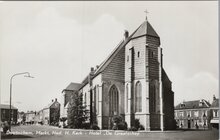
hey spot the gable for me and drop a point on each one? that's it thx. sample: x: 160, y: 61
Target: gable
x: 116, y: 68
x: 55, y: 105
x: 144, y: 29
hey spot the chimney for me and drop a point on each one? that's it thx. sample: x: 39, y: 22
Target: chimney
x: 126, y: 34
x: 97, y: 66
x: 55, y: 99
x: 92, y: 69
x: 90, y: 76
x: 214, y: 98
x: 52, y: 100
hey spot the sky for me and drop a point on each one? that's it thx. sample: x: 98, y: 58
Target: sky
x: 58, y: 42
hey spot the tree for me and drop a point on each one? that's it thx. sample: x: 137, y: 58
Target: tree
x: 77, y: 113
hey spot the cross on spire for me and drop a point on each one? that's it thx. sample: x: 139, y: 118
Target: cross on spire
x: 146, y: 13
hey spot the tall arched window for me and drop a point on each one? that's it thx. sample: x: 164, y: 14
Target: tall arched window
x: 114, y: 101
x: 154, y: 99
x: 85, y: 98
x: 97, y: 100
x: 138, y: 97
x: 126, y: 99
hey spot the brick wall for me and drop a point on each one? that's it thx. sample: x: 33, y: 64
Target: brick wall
x: 115, y: 70
x: 152, y: 64
x: 113, y: 74
x: 152, y: 75
x: 139, y: 57
x: 168, y: 103
x: 195, y: 116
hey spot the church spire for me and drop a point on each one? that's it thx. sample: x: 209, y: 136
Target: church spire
x: 146, y: 14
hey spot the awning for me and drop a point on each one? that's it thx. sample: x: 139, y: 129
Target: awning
x: 214, y: 121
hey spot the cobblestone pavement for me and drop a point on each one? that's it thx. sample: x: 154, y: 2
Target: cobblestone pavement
x: 31, y: 132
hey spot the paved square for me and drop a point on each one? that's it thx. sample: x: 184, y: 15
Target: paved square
x: 32, y: 132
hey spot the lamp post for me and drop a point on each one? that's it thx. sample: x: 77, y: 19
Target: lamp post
x: 26, y: 74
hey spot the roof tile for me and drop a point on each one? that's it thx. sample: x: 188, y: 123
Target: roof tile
x: 193, y: 104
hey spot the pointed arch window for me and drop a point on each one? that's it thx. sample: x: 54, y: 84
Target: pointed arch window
x: 97, y: 100
x: 114, y: 101
x: 85, y: 98
x: 138, y: 97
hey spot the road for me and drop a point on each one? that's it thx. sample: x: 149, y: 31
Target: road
x: 32, y: 132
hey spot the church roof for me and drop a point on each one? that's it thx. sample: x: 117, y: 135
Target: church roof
x: 72, y: 86
x: 165, y: 76
x: 195, y: 104
x: 144, y: 29
x: 110, y: 57
x: 4, y: 106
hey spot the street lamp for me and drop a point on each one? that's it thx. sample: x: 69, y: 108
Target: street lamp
x: 26, y: 74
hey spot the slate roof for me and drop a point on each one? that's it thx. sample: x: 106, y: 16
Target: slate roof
x: 50, y: 104
x: 30, y: 112
x: 72, y: 86
x: 144, y: 29
x: 4, y: 106
x: 215, y: 103
x: 193, y: 104
x: 164, y: 75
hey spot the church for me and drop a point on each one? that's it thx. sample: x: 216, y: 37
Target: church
x: 132, y: 83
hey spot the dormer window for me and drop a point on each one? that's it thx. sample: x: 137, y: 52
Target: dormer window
x: 182, y: 105
x: 201, y: 103
x: 127, y: 58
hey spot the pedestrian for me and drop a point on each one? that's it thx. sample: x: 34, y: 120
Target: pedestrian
x: 5, y: 127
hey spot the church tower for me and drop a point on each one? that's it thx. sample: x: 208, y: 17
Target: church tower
x: 143, y: 78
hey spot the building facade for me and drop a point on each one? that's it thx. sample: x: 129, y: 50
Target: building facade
x: 50, y: 114
x: 30, y: 117
x: 193, y: 114
x: 214, y: 111
x: 67, y: 93
x: 21, y: 117
x: 131, y: 83
x: 4, y: 111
